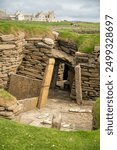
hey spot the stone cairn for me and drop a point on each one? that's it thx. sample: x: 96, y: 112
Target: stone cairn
x: 11, y: 48
x: 9, y: 106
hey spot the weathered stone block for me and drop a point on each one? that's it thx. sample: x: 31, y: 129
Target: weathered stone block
x: 6, y: 46
x: 6, y: 113
x: 29, y: 104
x: 43, y: 45
x: 12, y: 107
x: 48, y: 41
x: 7, y: 38
x: 2, y: 108
x: 24, y: 87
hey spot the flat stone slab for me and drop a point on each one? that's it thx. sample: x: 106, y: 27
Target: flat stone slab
x: 7, y: 46
x: 9, y: 37
x: 34, y: 39
x: 23, y: 87
x: 48, y: 41
x: 43, y: 45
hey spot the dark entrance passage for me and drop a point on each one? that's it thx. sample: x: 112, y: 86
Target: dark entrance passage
x: 62, y: 76
x: 65, y: 73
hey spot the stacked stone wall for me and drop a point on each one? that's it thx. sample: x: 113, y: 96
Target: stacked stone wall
x: 67, y: 47
x: 11, y: 55
x: 37, y: 52
x: 29, y: 57
x: 90, y: 74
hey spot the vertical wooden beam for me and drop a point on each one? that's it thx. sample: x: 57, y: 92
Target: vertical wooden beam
x: 46, y: 83
x: 78, y: 85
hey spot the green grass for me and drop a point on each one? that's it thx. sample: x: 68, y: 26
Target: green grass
x: 5, y: 95
x: 85, y: 42
x: 29, y: 28
x: 96, y: 114
x: 83, y: 34
x: 89, y: 27
x: 14, y: 136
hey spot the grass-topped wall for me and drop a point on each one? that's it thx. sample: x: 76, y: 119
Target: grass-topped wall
x: 85, y: 42
x: 84, y: 35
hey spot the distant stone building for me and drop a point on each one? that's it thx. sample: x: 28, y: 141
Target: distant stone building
x: 51, y: 17
x: 19, y: 16
x: 40, y: 16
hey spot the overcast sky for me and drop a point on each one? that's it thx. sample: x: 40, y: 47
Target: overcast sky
x: 80, y: 10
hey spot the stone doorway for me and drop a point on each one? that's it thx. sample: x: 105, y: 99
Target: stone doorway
x: 62, y: 79
x: 60, y: 75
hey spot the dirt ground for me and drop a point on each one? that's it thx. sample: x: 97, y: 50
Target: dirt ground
x: 74, y: 117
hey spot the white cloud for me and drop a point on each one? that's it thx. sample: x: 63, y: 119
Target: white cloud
x: 65, y: 9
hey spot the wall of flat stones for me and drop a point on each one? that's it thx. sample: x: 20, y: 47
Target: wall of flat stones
x: 37, y: 52
x: 11, y: 55
x: 67, y: 47
x: 90, y: 74
x: 29, y: 57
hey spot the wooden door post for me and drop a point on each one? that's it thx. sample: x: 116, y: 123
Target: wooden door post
x: 46, y: 83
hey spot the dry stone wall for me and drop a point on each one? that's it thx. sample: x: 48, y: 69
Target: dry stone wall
x: 11, y: 55
x: 37, y: 52
x: 90, y: 74
x: 29, y: 57
x: 67, y: 47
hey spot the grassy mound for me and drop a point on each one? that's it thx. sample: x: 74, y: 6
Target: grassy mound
x: 85, y: 42
x: 29, y: 28
x: 96, y: 114
x: 14, y: 136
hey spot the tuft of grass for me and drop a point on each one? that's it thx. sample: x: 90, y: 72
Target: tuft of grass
x: 96, y: 115
x: 5, y: 95
x: 15, y: 136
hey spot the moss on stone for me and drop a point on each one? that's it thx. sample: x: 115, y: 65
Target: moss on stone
x: 6, y: 95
